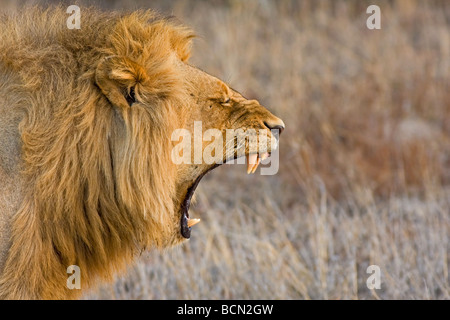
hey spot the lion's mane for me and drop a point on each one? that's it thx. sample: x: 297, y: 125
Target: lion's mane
x: 98, y: 184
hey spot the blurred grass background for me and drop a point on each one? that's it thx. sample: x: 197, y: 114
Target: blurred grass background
x: 364, y: 161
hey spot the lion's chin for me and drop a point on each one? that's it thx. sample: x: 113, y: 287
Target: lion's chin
x: 186, y: 223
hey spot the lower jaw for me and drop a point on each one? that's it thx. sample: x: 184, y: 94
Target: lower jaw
x: 185, y: 230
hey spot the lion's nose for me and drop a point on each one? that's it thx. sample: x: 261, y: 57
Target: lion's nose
x: 277, y: 124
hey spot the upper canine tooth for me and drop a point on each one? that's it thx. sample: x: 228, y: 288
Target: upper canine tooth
x: 192, y: 222
x: 256, y: 165
x: 248, y: 164
x: 252, y: 159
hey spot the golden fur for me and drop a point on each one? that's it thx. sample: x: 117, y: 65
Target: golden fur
x: 96, y: 181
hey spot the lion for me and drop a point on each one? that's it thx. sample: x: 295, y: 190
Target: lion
x: 86, y: 118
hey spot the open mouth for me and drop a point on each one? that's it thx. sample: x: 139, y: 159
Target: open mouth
x: 253, y: 161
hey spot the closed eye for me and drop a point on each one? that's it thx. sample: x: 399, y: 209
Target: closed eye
x: 226, y: 102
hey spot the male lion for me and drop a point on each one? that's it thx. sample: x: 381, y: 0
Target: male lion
x: 86, y: 118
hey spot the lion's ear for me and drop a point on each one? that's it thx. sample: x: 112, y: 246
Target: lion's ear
x: 117, y: 77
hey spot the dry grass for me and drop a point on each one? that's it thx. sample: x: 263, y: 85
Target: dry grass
x: 317, y: 251
x: 365, y: 160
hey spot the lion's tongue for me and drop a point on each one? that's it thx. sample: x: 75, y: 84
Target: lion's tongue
x: 253, y: 161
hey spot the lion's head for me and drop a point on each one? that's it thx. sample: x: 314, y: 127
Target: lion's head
x: 99, y: 156
x: 157, y: 87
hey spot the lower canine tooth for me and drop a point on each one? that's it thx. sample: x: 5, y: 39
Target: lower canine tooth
x: 192, y: 222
